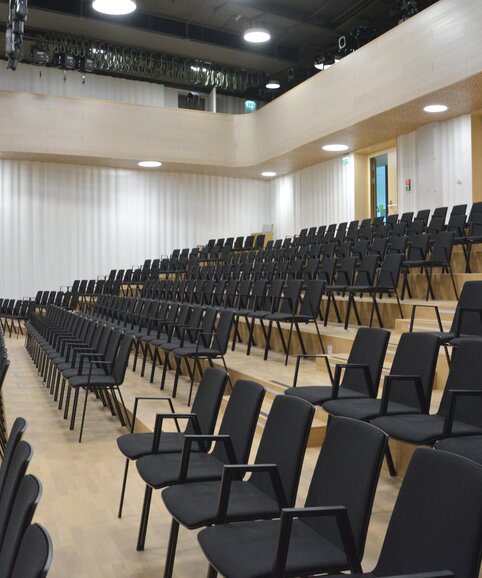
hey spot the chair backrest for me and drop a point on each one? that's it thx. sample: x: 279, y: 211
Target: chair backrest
x: 122, y: 359
x: 23, y: 509
x: 416, y: 354
x: 464, y: 373
x: 423, y: 216
x: 369, y: 348
x: 458, y: 210
x: 398, y: 244
x: 457, y: 224
x: 35, y: 554
x: 239, y: 419
x: 366, y: 272
x: 310, y: 305
x: 112, y: 347
x: 346, y: 271
x: 327, y: 269
x: 22, y: 456
x: 442, y: 247
x: 16, y: 432
x: 392, y: 220
x: 468, y: 322
x: 390, y: 271
x: 272, y: 300
x: 223, y: 331
x: 378, y: 247
x: 283, y: 443
x: 435, y: 524
x: 208, y: 399
x: 418, y: 248
x: 406, y: 218
x: 291, y: 296
x: 346, y: 474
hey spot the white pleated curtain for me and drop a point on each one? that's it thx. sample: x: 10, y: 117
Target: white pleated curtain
x: 438, y: 159
x: 318, y: 195
x: 64, y: 222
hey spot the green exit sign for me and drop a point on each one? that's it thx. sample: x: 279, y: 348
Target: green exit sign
x: 346, y: 161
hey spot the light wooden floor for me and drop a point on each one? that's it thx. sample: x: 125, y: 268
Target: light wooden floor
x: 81, y: 484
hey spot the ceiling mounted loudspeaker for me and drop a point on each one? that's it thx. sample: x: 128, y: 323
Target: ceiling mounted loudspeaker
x: 114, y: 7
x: 257, y: 35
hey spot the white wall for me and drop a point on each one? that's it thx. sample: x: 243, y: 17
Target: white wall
x: 438, y: 159
x: 318, y: 195
x: 62, y: 222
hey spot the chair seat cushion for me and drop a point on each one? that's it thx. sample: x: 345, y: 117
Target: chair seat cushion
x: 469, y: 447
x: 247, y: 550
x: 196, y: 505
x: 192, y: 351
x: 421, y: 429
x: 363, y: 409
x: 95, y: 380
x: 162, y: 470
x: 318, y: 394
x: 136, y: 445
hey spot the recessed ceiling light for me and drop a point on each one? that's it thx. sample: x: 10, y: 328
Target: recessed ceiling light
x: 149, y: 164
x: 257, y: 35
x: 435, y: 108
x: 198, y: 69
x: 273, y: 85
x: 268, y: 174
x: 114, y: 7
x: 335, y: 148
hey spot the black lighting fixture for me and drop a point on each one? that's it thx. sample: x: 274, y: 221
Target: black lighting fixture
x: 66, y: 61
x: 17, y: 15
x: 406, y: 8
x: 86, y: 64
x: 39, y: 56
x: 357, y: 38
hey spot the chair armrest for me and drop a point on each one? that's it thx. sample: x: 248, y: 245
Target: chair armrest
x: 324, y: 356
x: 141, y: 398
x: 437, y: 314
x: 453, y: 395
x: 160, y: 417
x: 344, y: 527
x: 237, y: 471
x: 92, y: 365
x: 361, y: 366
x: 186, y: 450
x: 416, y: 380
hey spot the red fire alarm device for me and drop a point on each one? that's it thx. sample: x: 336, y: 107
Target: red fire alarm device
x: 408, y: 184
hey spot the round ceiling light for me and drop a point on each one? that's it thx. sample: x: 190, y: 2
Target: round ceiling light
x: 273, y: 85
x: 435, y: 108
x: 114, y: 7
x: 149, y: 164
x: 257, y: 35
x: 268, y: 174
x: 335, y: 148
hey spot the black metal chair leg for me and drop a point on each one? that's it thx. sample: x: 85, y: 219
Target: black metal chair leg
x: 146, y: 506
x: 171, y: 549
x: 83, y: 414
x: 268, y: 339
x: 123, y: 490
x: 390, y: 464
x: 211, y: 572
x: 74, y: 408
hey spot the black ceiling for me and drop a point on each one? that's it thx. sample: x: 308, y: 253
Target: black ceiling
x: 211, y: 31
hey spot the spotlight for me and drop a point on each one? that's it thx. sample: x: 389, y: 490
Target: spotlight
x: 114, y: 7
x: 257, y: 35
x: 39, y: 57
x: 325, y: 61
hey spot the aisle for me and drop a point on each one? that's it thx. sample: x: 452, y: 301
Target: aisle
x: 81, y: 484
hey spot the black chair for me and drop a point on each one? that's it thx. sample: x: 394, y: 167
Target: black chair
x: 361, y: 371
x: 208, y: 346
x: 474, y: 237
x: 406, y: 390
x: 307, y: 312
x: 232, y: 446
x: 423, y: 217
x: 416, y: 259
x: 365, y: 278
x: 328, y: 534
x: 108, y: 382
x: 35, y: 554
x: 441, y: 257
x: 205, y: 410
x: 22, y: 456
x: 272, y: 485
x: 387, y: 282
x: 460, y: 410
x: 344, y: 278
x: 22, y: 511
x: 435, y: 525
x: 16, y: 433
x: 467, y: 320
